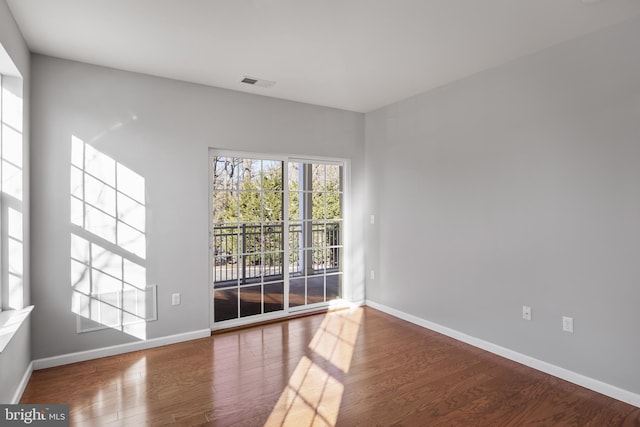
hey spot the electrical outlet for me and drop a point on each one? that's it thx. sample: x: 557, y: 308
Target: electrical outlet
x: 567, y: 324
x: 175, y: 299
x: 372, y: 219
x: 526, y: 312
x: 373, y: 275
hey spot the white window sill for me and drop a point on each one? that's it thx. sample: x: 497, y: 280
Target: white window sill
x: 10, y: 322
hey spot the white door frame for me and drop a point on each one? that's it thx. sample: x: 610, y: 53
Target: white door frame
x: 288, y: 311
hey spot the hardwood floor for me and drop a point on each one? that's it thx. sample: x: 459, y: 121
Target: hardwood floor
x: 355, y: 367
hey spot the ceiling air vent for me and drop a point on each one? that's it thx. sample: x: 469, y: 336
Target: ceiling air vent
x: 257, y: 82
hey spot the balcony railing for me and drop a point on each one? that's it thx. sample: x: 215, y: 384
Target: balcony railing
x: 250, y: 252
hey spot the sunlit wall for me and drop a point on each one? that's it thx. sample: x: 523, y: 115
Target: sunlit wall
x: 108, y: 244
x: 161, y: 130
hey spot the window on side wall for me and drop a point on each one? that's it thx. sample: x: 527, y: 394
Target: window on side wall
x: 11, y: 191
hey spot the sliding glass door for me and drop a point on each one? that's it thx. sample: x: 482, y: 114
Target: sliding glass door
x: 276, y: 236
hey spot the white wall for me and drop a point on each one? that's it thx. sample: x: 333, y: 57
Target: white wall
x: 15, y: 358
x: 519, y: 186
x: 161, y: 129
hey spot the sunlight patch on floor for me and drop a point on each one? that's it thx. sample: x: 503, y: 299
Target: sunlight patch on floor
x: 313, y: 395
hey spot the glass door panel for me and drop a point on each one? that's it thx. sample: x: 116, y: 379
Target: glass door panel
x: 315, y: 233
x: 276, y: 236
x: 247, y: 237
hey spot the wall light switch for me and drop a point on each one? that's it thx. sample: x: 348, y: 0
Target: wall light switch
x: 175, y: 299
x: 372, y: 219
x: 567, y: 324
x: 526, y: 312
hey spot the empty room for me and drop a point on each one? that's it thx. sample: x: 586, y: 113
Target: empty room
x: 332, y: 213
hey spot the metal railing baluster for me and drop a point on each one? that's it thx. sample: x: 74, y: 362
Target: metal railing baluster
x: 262, y: 252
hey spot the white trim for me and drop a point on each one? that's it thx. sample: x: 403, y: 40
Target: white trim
x: 340, y: 304
x: 562, y: 373
x: 10, y: 322
x: 347, y: 221
x: 81, y: 356
x: 256, y: 155
x: 23, y: 384
x: 266, y: 317
x: 249, y: 320
x: 244, y: 321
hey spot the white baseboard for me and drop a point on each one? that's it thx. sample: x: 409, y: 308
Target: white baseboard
x: 358, y: 303
x: 23, y: 384
x: 340, y: 303
x: 562, y: 373
x: 65, y: 359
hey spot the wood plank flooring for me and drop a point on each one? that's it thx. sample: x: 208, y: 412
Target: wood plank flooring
x: 355, y: 367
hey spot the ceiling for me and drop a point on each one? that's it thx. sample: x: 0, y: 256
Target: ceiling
x: 357, y: 55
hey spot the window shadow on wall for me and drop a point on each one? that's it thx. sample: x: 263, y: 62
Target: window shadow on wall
x: 108, y: 244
